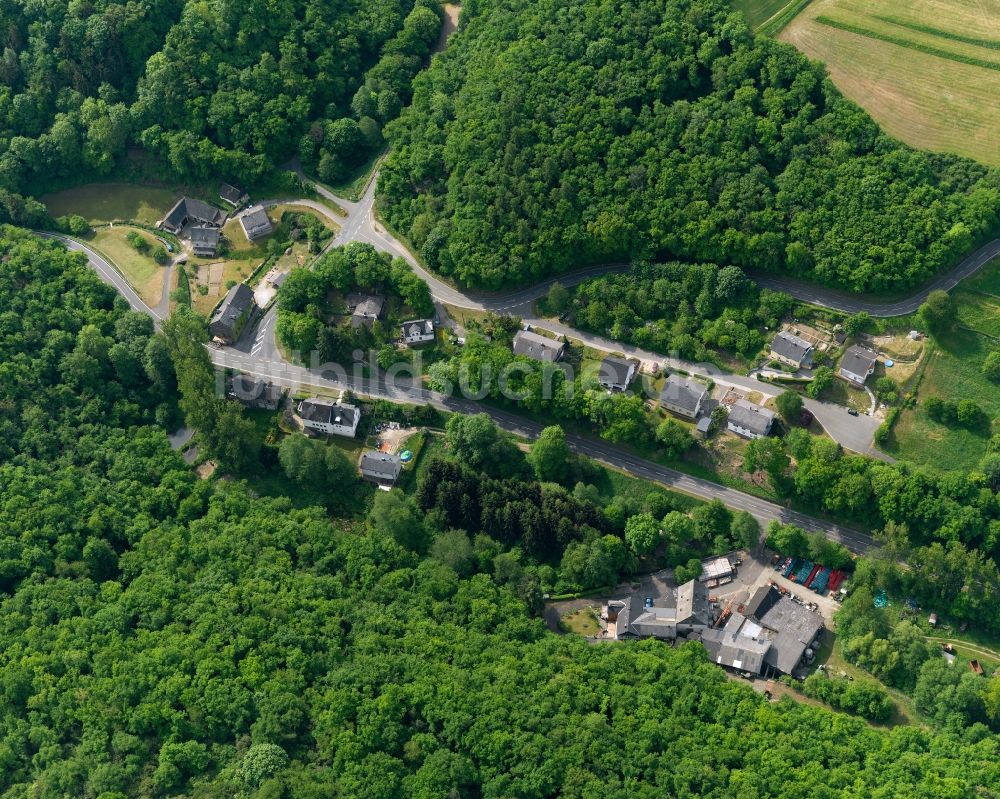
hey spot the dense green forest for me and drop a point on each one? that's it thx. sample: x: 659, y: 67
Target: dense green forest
x: 690, y: 309
x: 162, y: 635
x: 555, y: 134
x: 217, y: 90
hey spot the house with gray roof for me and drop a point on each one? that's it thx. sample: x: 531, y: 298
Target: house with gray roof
x: 188, y: 211
x: 255, y: 223
x: 617, y: 373
x: 790, y: 349
x: 232, y: 195
x: 537, y: 347
x: 380, y: 467
x: 205, y: 241
x: 232, y: 313
x: 683, y: 396
x: 329, y: 417
x: 749, y: 420
x: 418, y: 331
x: 365, y: 308
x: 254, y: 392
x: 856, y: 364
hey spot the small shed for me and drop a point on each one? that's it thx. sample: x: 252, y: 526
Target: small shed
x: 932, y: 620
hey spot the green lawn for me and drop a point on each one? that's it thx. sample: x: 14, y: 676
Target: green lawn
x: 953, y: 371
x: 582, y: 622
x: 980, y: 312
x: 141, y: 271
x: 758, y: 12
x: 109, y: 202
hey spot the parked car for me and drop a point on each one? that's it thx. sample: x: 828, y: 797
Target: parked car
x: 852, y: 411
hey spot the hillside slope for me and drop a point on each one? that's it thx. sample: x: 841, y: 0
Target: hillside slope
x: 554, y: 134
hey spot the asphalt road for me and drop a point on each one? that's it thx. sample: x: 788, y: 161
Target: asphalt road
x: 257, y: 354
x: 298, y: 378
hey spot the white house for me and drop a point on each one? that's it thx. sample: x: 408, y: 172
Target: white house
x: 418, y: 331
x: 381, y: 467
x: 329, y: 417
x: 616, y: 373
x: 857, y: 363
x: 749, y: 420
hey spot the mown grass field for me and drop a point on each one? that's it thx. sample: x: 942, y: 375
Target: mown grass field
x: 928, y: 71
x: 759, y: 12
x: 953, y: 371
x: 110, y: 202
x: 141, y: 271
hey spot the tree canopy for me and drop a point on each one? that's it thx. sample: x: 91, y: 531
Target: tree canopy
x: 555, y: 134
x: 162, y: 635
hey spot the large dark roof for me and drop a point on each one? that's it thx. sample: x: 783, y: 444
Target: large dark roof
x: 762, y: 600
x: 791, y: 346
x: 858, y: 360
x: 541, y: 348
x: 205, y: 236
x: 616, y: 371
x: 194, y: 211
x: 327, y: 411
x: 686, y: 394
x: 235, y: 304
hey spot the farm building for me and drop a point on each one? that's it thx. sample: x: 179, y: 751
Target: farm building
x: 187, y: 211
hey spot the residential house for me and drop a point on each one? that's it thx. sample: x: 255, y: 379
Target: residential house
x: 365, y: 308
x: 683, y: 397
x: 232, y: 313
x: 418, y: 331
x: 205, y: 241
x: 537, y: 347
x: 858, y: 362
x: 792, y: 350
x: 254, y: 392
x: 617, y: 373
x: 380, y: 467
x: 255, y: 223
x: 232, y: 195
x: 749, y: 420
x: 194, y: 212
x: 330, y: 417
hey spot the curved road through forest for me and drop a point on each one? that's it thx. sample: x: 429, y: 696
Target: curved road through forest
x: 270, y: 366
x: 257, y: 354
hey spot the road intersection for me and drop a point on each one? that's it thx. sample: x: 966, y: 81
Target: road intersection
x: 257, y: 354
